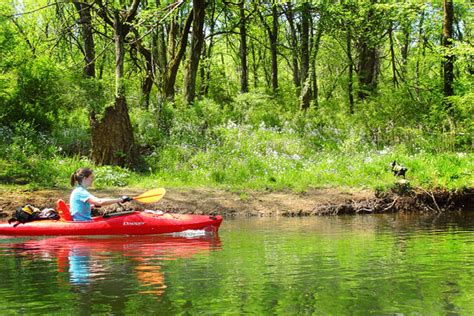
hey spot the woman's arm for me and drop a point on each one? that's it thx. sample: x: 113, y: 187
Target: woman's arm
x: 101, y: 202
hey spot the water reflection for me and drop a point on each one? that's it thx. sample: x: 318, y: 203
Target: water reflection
x: 345, y: 265
x: 79, y: 265
x: 92, y: 259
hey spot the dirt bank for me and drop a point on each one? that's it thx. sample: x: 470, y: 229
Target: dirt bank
x: 313, y: 202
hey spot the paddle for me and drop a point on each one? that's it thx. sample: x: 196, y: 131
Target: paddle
x: 150, y: 196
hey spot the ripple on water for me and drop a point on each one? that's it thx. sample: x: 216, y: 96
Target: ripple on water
x: 383, y: 264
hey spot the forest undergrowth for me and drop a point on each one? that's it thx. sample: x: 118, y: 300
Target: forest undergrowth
x: 247, y: 144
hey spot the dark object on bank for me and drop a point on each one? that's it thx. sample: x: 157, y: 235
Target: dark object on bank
x: 398, y: 170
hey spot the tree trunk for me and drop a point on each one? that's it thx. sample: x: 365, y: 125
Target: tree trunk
x: 294, y: 45
x: 203, y: 71
x: 369, y: 60
x: 368, y: 67
x: 272, y: 32
x: 244, y: 80
x: 161, y: 57
x: 169, y: 77
x: 119, y: 38
x: 112, y: 134
x: 206, y: 78
x: 268, y: 76
x: 159, y: 46
x: 273, y: 35
x: 85, y: 20
x: 350, y: 80
x: 315, y: 43
x: 147, y: 83
x: 392, y: 55
x: 404, y: 49
x: 422, y: 43
x: 314, y: 81
x: 255, y: 63
x: 448, y: 30
x: 197, y: 41
x: 305, y: 97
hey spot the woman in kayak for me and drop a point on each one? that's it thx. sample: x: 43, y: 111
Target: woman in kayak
x: 81, y: 201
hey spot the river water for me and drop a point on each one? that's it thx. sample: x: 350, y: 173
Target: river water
x: 357, y: 265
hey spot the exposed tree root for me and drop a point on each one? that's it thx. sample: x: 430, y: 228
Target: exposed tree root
x: 402, y: 198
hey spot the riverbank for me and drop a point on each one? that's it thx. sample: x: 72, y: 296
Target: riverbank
x: 313, y: 202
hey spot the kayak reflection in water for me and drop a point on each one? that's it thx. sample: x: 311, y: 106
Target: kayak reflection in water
x: 81, y: 200
x: 92, y: 261
x: 101, y: 262
x: 83, y: 268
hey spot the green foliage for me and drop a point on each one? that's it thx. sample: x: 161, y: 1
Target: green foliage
x: 225, y: 138
x: 71, y: 135
x: 37, y: 96
x: 25, y: 155
x: 8, y: 42
x: 108, y: 176
x: 306, y: 151
x: 89, y: 93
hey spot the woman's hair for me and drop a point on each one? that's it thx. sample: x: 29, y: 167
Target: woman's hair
x: 79, y: 175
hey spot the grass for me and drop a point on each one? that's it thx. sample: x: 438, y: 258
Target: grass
x: 265, y: 159
x: 260, y: 152
x: 363, y: 170
x: 269, y: 159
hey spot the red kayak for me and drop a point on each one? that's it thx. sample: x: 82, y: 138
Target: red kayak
x: 130, y: 223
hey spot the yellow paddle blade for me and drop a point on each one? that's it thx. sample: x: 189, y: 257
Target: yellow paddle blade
x: 151, y: 196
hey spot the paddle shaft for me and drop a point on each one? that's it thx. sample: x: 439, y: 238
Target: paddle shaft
x: 146, y: 196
